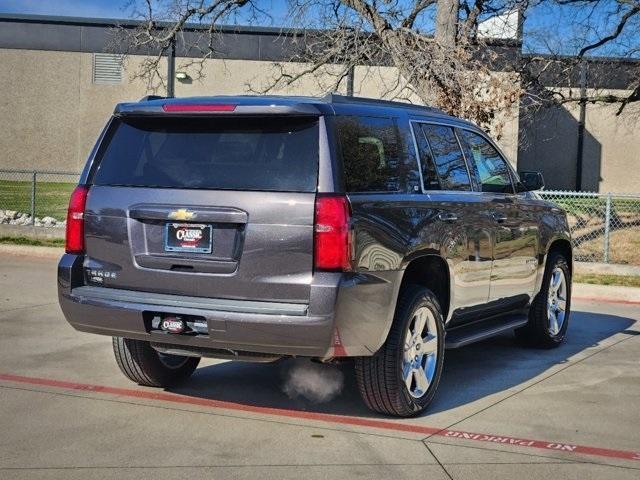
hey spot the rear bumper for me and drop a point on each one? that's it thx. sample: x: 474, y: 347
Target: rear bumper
x: 327, y: 326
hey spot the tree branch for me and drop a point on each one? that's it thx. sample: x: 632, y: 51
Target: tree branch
x: 618, y: 30
x: 419, y: 7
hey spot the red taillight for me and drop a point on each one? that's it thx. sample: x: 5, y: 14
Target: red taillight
x: 75, y: 221
x: 190, y: 107
x: 332, y: 250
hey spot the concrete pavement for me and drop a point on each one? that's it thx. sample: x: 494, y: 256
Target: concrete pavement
x: 69, y: 413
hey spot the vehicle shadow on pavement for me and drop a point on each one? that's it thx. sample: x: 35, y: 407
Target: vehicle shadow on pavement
x: 471, y: 373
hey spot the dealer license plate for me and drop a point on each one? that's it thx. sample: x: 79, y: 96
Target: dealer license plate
x: 187, y: 237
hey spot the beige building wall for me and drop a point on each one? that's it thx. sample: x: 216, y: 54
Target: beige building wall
x: 52, y: 111
x: 611, y: 152
x: 618, y: 168
x: 238, y: 77
x: 39, y: 105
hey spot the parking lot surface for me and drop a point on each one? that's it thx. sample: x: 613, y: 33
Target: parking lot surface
x: 502, y: 411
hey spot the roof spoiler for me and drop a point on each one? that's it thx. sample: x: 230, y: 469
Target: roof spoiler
x: 148, y: 98
x: 151, y: 107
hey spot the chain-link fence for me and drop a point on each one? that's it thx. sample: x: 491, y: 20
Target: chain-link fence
x: 35, y: 198
x: 605, y: 226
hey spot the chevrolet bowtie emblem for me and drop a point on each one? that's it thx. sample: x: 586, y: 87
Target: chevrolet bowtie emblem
x: 182, y: 214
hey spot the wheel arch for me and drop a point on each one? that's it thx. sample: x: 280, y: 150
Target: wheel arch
x: 431, y: 271
x: 560, y: 244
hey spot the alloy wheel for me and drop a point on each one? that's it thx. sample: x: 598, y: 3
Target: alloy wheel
x: 420, y: 352
x: 557, y: 301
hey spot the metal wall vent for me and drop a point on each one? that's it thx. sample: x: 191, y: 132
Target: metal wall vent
x: 107, y: 68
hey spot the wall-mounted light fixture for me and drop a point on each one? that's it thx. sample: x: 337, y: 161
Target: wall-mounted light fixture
x: 183, y: 76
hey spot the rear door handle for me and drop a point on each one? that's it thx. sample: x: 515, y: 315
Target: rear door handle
x: 447, y: 217
x: 499, y: 217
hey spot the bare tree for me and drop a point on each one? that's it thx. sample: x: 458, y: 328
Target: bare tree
x: 161, y: 24
x: 447, y: 22
x: 439, y: 53
x: 602, y: 40
x: 438, y: 57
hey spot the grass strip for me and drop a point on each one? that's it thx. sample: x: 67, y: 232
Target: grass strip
x: 34, y: 242
x: 618, y: 280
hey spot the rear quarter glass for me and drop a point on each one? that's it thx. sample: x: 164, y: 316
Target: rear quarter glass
x: 374, y: 155
x: 250, y: 153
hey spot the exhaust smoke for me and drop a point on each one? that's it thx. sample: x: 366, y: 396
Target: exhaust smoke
x: 316, y: 382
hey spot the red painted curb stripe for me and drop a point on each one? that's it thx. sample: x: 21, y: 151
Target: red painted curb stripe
x: 206, y: 402
x: 606, y: 300
x: 326, y: 417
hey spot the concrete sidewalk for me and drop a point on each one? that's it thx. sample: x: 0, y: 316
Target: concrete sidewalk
x: 67, y: 412
x: 597, y: 268
x: 606, y: 293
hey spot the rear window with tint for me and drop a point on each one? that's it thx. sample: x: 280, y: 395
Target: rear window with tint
x: 273, y: 154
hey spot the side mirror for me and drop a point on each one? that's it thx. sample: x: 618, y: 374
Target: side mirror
x: 531, y: 181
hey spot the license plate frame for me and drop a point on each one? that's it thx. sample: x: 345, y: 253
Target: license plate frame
x: 202, y: 244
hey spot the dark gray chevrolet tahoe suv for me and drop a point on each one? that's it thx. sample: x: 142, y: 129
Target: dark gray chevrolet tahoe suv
x: 256, y: 228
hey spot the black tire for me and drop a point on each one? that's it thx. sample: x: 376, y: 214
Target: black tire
x: 140, y: 362
x: 379, y: 377
x: 536, y: 333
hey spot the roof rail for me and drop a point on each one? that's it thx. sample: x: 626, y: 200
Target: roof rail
x: 147, y: 98
x: 337, y: 98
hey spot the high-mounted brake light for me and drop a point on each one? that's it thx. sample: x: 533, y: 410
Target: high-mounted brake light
x: 189, y: 107
x: 332, y: 238
x: 74, y: 242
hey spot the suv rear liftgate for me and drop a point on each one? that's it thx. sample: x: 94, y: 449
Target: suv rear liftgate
x: 200, y: 212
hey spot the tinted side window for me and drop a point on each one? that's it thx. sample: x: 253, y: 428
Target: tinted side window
x: 449, y: 161
x: 427, y: 164
x: 373, y: 155
x: 489, y: 166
